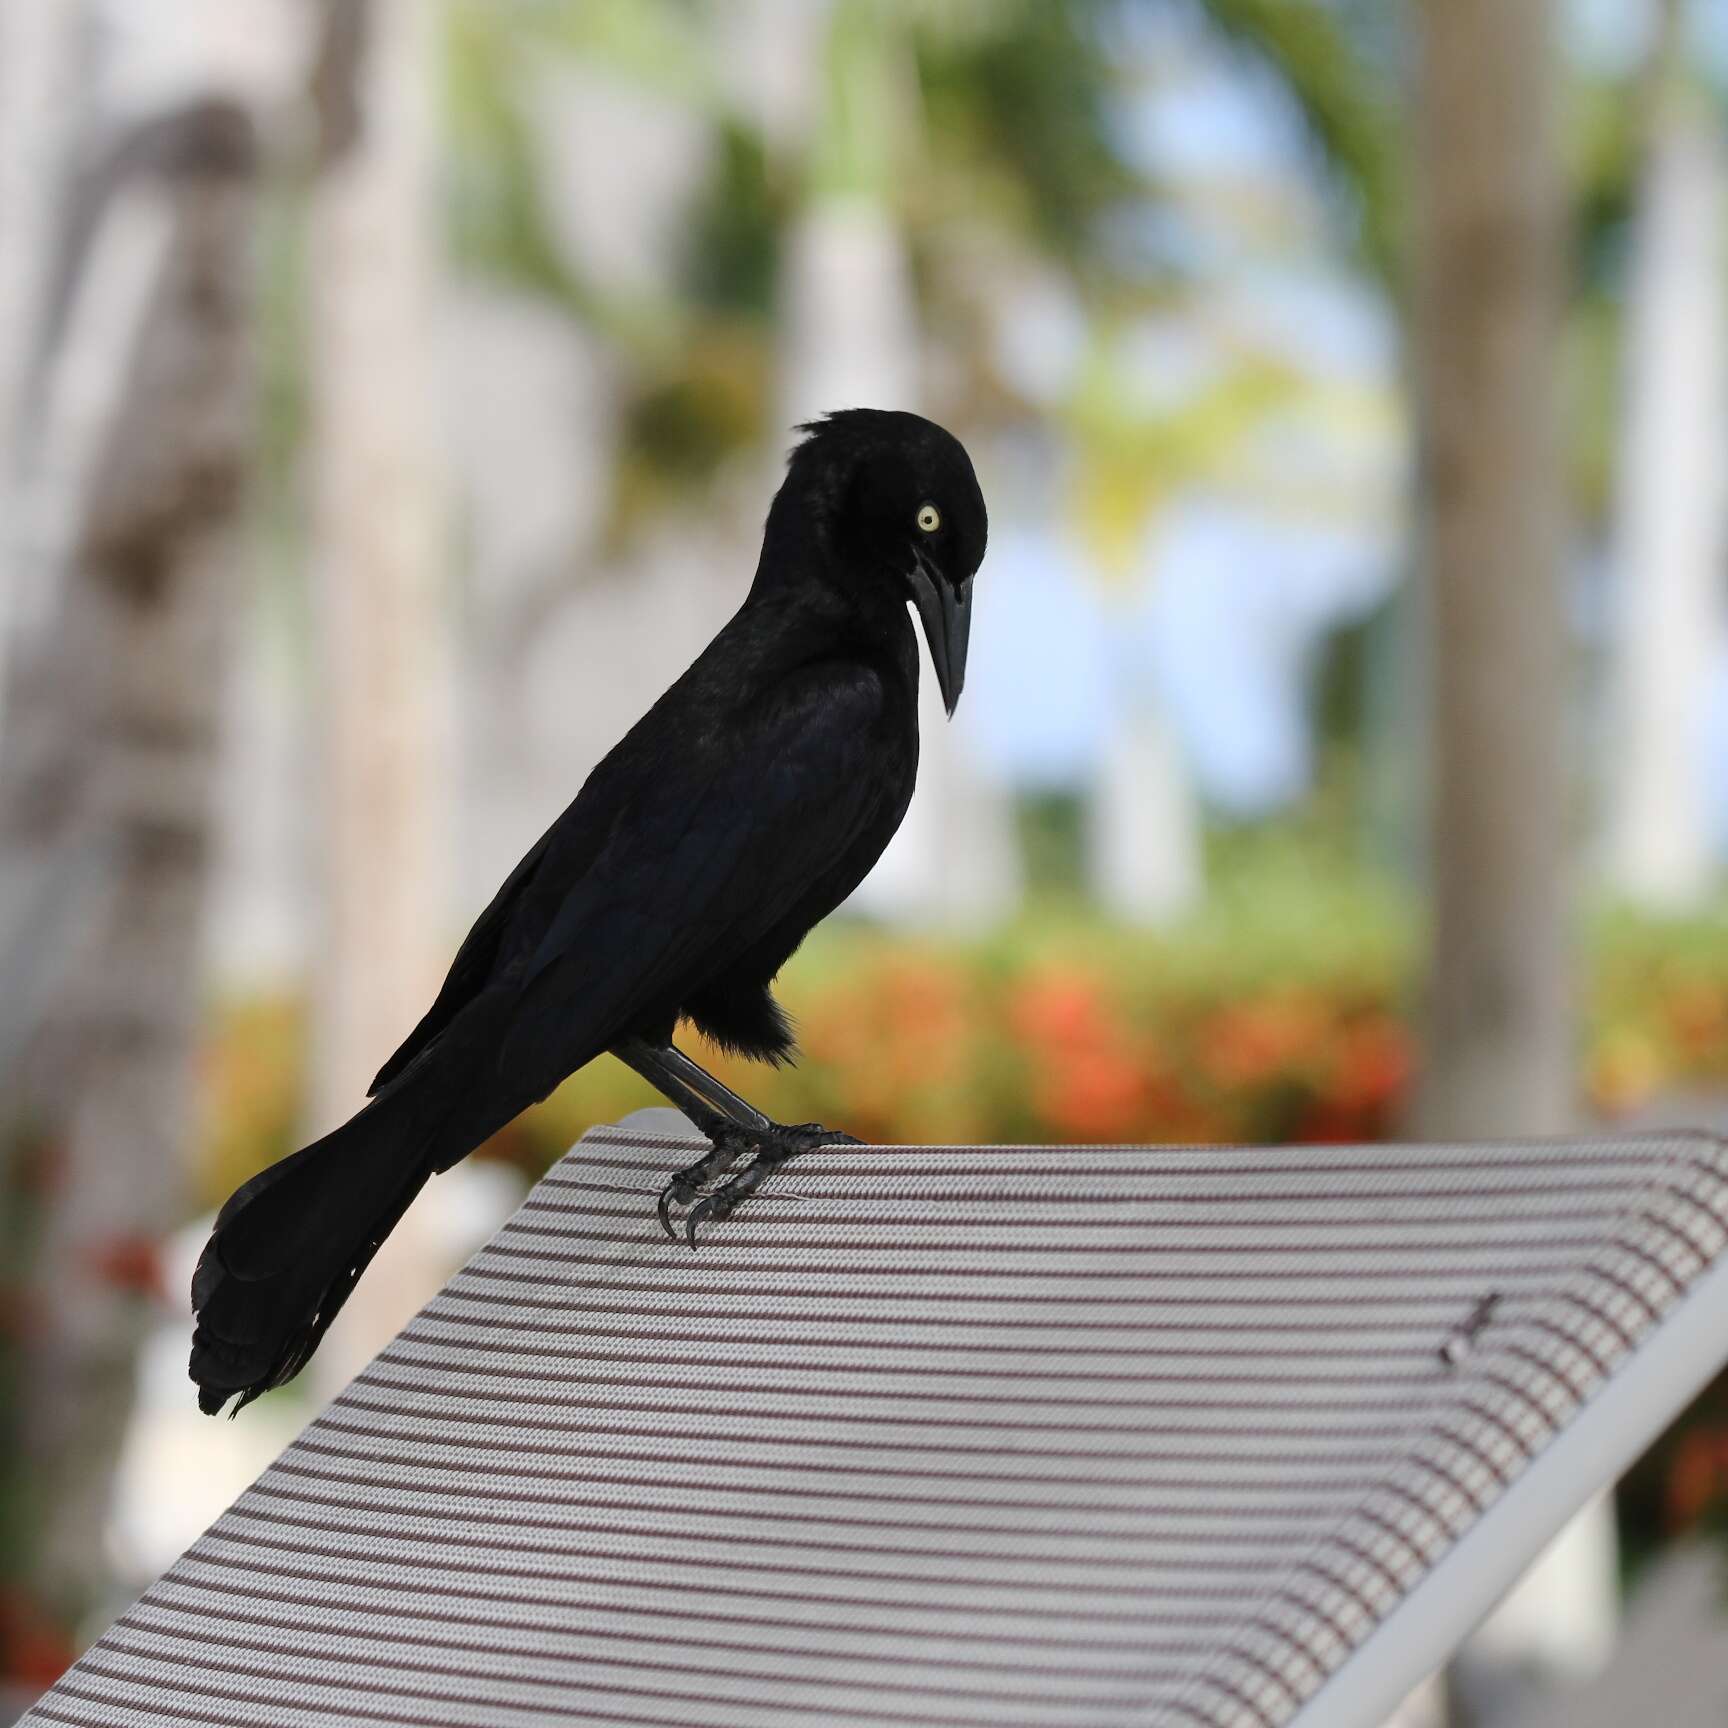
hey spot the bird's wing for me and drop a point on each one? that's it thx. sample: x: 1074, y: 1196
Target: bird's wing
x: 705, y: 862
x: 474, y: 966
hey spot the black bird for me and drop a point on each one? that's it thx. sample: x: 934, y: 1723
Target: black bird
x: 748, y: 802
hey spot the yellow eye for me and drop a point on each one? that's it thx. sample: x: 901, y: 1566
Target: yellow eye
x: 929, y: 518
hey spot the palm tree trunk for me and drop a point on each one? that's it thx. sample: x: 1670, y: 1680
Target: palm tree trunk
x: 39, y: 105
x: 105, y: 821
x: 1487, y: 310
x: 1488, y: 300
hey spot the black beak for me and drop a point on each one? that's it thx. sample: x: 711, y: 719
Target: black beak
x: 946, y: 611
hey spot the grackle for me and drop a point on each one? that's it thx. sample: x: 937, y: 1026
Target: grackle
x: 748, y: 802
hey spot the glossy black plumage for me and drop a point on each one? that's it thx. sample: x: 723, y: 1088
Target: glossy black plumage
x: 746, y: 804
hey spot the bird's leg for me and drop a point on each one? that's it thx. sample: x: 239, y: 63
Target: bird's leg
x: 733, y: 1126
x: 669, y: 1063
x: 717, y: 1112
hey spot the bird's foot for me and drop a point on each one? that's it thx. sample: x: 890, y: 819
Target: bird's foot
x: 687, y: 1185
x: 769, y: 1148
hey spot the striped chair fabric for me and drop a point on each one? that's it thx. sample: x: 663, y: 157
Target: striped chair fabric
x: 925, y: 1437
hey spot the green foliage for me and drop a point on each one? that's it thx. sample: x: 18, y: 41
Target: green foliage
x: 1051, y: 830
x: 707, y: 396
x: 1601, y: 142
x: 684, y: 418
x: 1602, y: 149
x: 1018, y: 106
x: 1659, y: 1005
x: 1349, y: 100
x: 497, y: 223
x: 38, y: 1627
x: 859, y: 140
x: 732, y: 264
x: 658, y: 44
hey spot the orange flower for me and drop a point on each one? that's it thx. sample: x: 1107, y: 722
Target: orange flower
x: 1250, y: 1043
x: 1371, y: 1065
x: 129, y: 1263
x: 1697, y: 1015
x: 1062, y: 1009
x: 34, y: 1649
x: 1698, y: 1476
x: 1627, y: 1069
x: 1092, y: 1094
x: 1331, y: 1124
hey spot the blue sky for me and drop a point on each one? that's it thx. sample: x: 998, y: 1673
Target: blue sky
x: 1221, y: 625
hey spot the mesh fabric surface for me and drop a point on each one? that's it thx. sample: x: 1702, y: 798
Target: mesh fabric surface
x: 1035, y: 1438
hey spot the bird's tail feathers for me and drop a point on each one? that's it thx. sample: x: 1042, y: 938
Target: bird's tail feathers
x: 290, y: 1245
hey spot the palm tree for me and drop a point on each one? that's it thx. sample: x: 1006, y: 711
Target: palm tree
x: 1488, y: 300
x: 1489, y: 287
x: 39, y: 51
x: 106, y: 786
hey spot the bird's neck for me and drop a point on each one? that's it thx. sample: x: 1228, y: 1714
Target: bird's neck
x: 834, y: 606
x: 795, y: 545
x: 812, y: 615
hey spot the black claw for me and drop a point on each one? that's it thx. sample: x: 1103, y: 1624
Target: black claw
x: 812, y: 1134
x: 686, y: 1185
x: 679, y: 1191
x: 772, y: 1148
x: 724, y: 1201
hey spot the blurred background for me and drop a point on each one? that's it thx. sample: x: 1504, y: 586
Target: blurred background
x: 391, y: 392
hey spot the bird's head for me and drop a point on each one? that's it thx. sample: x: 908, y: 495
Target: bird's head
x: 902, y: 518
